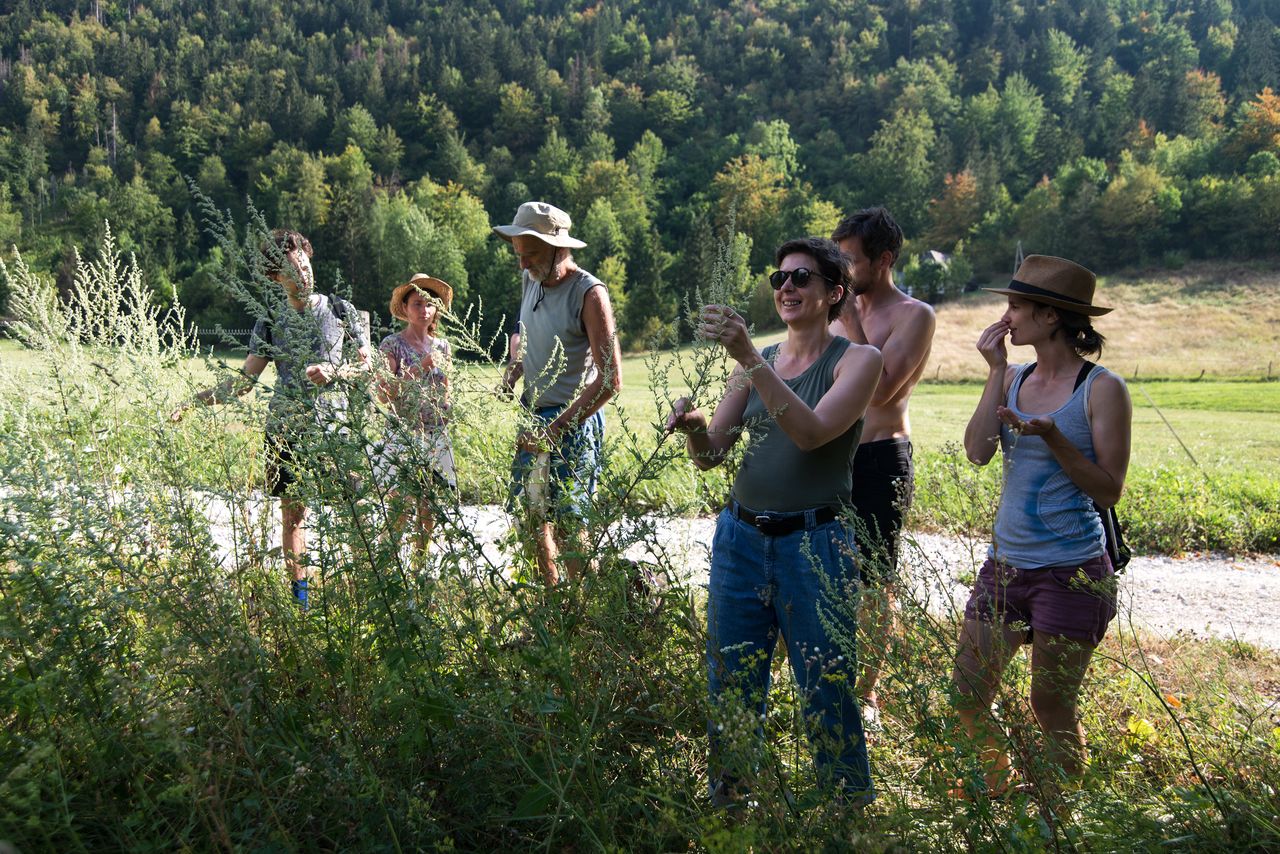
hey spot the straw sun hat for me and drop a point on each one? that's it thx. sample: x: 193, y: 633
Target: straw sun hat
x: 438, y: 288
x: 1056, y: 282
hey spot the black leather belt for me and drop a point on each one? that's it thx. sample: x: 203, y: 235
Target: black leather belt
x: 780, y: 524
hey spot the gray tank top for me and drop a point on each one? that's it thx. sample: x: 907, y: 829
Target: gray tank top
x: 777, y: 475
x: 557, y: 354
x: 1044, y: 519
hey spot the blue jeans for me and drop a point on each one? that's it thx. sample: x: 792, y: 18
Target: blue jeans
x: 801, y: 584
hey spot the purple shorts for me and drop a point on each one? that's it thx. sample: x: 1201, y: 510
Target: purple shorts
x: 1073, y: 601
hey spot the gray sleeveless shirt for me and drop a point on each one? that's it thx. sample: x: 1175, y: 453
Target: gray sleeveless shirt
x: 777, y: 475
x: 557, y: 354
x: 1044, y: 519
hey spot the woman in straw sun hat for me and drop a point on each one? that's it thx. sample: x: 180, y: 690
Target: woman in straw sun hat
x: 1063, y: 426
x: 416, y: 454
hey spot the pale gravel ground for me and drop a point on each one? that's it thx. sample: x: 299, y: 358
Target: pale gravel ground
x: 1213, y: 595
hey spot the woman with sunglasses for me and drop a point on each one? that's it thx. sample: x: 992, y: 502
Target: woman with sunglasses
x: 782, y: 559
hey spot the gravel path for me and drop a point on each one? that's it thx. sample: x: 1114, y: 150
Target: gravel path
x: 1212, y: 595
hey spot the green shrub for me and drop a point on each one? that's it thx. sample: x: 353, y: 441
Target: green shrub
x: 159, y: 691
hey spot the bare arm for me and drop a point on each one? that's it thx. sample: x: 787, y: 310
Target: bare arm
x: 855, y: 379
x: 904, y: 351
x: 982, y: 435
x: 602, y: 337
x: 237, y: 385
x: 253, y: 367
x: 323, y: 373
x: 514, y: 370
x: 1111, y: 424
x: 389, y: 383
x: 708, y: 445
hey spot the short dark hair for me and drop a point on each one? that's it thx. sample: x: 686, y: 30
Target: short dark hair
x: 281, y: 243
x: 879, y: 231
x: 833, y: 265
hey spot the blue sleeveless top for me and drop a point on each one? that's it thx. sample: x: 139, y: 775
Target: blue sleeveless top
x: 1044, y: 519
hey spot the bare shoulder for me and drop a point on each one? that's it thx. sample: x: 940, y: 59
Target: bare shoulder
x: 1110, y: 386
x: 861, y: 357
x: 596, y: 304
x: 915, y: 311
x: 596, y: 295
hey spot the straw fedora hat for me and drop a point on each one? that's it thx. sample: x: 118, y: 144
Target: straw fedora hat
x: 546, y: 222
x: 1056, y: 282
x: 438, y: 288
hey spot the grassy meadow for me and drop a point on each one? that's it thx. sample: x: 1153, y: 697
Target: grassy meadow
x: 1205, y: 470
x: 155, y: 696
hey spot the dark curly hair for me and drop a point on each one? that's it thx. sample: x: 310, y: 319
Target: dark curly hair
x: 833, y: 266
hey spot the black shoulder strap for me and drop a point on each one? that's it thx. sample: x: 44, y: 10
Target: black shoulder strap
x: 1085, y: 370
x: 1080, y: 377
x: 338, y: 306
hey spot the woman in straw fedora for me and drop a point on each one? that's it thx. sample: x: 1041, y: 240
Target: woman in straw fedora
x: 1063, y: 426
x: 417, y: 449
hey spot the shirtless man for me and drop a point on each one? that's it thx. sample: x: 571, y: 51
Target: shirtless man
x: 883, y: 477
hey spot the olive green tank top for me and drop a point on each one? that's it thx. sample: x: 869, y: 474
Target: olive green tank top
x: 777, y: 475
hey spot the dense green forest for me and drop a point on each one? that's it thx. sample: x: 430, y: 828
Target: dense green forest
x: 393, y: 132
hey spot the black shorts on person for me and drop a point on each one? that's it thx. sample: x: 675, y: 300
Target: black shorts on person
x: 883, y: 487
x: 280, y: 462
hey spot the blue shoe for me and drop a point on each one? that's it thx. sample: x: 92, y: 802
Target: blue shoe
x: 299, y: 587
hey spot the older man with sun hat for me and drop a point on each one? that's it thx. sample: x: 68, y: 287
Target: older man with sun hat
x: 565, y: 348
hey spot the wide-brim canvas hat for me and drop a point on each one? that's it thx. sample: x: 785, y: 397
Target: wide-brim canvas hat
x: 546, y: 222
x: 1056, y: 282
x: 438, y: 288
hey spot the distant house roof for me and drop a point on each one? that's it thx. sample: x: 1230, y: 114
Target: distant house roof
x: 937, y: 257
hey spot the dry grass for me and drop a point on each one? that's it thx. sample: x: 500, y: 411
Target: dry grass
x: 1220, y: 320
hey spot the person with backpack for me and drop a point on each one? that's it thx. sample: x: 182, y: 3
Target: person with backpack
x: 1063, y: 425
x: 304, y: 338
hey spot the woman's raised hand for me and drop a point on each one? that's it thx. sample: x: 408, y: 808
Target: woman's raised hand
x: 991, y: 344
x: 423, y: 367
x: 722, y: 324
x: 685, y: 417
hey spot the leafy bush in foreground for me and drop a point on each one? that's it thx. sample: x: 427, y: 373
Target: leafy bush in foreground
x: 159, y: 689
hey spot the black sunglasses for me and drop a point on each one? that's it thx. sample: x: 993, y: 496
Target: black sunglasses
x: 799, y: 277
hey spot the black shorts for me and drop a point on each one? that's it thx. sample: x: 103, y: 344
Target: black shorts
x: 883, y: 486
x: 278, y: 452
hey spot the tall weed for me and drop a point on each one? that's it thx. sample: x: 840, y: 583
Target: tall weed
x: 160, y: 689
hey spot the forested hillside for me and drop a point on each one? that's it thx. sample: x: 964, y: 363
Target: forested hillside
x: 394, y: 131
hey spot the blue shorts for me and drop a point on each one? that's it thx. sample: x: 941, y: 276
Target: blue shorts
x: 574, y: 466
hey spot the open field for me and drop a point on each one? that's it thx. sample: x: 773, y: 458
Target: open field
x: 1228, y: 421
x: 1223, y: 320
x: 1230, y: 425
